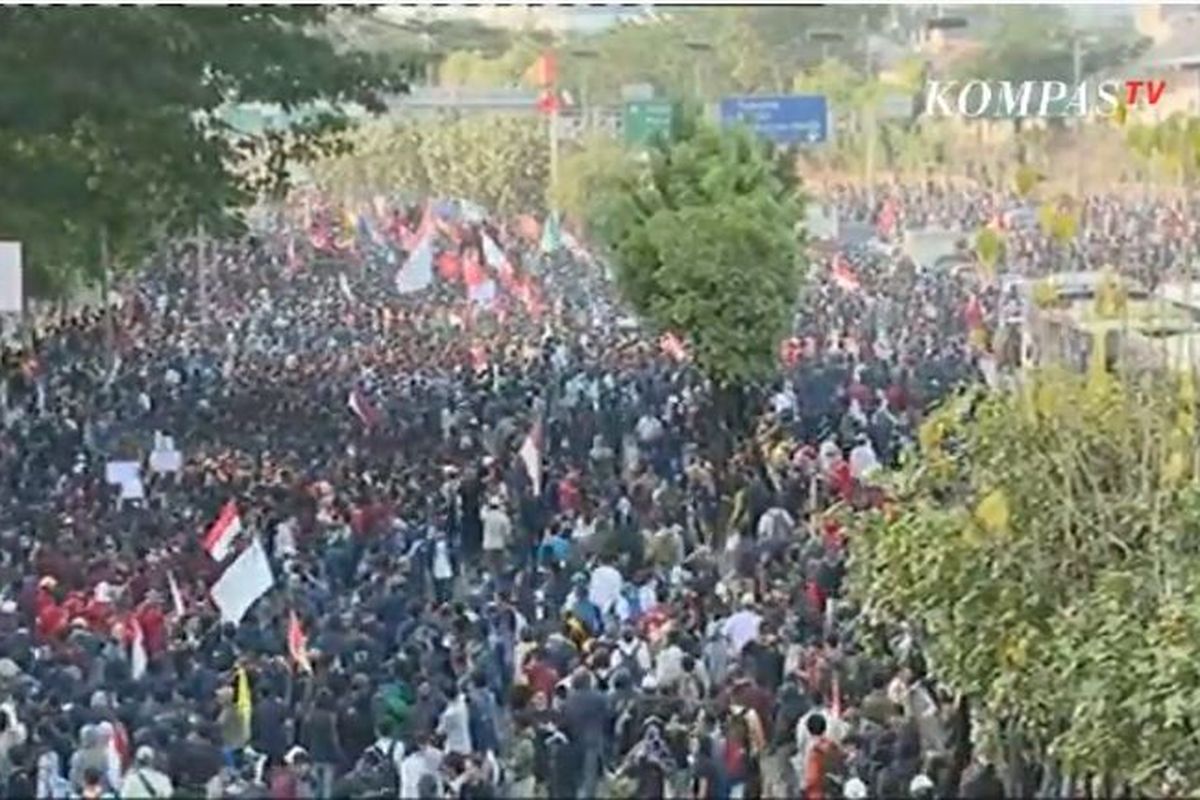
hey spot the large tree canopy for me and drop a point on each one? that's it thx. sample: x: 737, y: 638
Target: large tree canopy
x: 109, y: 120
x: 705, y: 244
x: 501, y: 161
x: 1046, y: 546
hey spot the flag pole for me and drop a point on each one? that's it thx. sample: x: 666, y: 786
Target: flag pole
x: 553, y: 146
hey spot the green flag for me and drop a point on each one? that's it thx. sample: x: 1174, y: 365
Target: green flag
x: 551, y: 234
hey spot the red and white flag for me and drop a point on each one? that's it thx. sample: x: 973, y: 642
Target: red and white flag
x: 218, y: 541
x: 531, y: 456
x: 363, y: 408
x: 298, y: 644
x: 137, y: 651
x: 843, y: 275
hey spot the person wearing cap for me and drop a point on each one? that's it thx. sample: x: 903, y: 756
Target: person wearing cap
x: 143, y: 781
x: 497, y: 533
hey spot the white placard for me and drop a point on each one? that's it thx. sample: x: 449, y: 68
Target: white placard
x: 166, y: 461
x: 121, y: 472
x: 12, y: 291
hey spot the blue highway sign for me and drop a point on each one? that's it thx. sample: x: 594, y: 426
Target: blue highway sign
x: 784, y: 119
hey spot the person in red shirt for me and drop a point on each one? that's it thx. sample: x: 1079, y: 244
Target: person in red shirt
x: 153, y: 621
x: 569, y: 496
x: 542, y: 677
x: 820, y: 761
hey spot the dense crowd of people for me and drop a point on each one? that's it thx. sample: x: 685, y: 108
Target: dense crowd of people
x: 647, y: 606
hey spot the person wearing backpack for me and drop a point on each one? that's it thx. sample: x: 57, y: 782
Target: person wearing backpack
x: 143, y: 781
x: 378, y: 769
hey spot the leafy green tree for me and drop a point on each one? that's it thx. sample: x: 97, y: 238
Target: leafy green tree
x: 705, y: 244
x: 109, y: 122
x: 1171, y: 147
x: 586, y: 172
x: 500, y: 161
x: 1045, y: 546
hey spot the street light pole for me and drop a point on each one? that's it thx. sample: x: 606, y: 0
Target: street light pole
x: 699, y: 48
x: 1076, y: 72
x: 871, y: 131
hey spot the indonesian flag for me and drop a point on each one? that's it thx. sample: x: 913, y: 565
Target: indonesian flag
x: 298, y: 644
x: 835, y: 699
x: 137, y: 651
x: 219, y: 539
x: 844, y: 276
x: 362, y: 407
x: 531, y: 456
x: 673, y: 347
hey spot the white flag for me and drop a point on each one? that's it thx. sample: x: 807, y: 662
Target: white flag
x: 176, y: 595
x: 137, y: 652
x: 247, y: 579
x: 531, y: 457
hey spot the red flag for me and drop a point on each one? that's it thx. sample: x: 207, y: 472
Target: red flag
x: 472, y: 271
x: 844, y: 275
x: 544, y: 71
x: 449, y: 267
x: 218, y: 540
x: 548, y: 102
x: 298, y: 644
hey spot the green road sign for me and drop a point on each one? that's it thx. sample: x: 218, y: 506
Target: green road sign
x: 645, y: 119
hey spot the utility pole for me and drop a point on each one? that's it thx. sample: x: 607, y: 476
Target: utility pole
x: 1076, y: 72
x: 553, y: 116
x: 105, y: 268
x: 871, y: 123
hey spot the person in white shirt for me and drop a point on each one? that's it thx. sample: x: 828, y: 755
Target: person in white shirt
x: 863, y: 461
x: 455, y: 725
x: 633, y: 649
x: 742, y: 626
x: 775, y: 523
x: 143, y: 781
x: 442, y: 567
x: 604, y: 587
x: 668, y: 667
x: 423, y: 761
x: 497, y: 531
